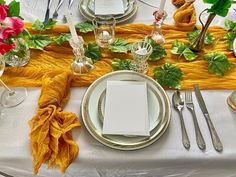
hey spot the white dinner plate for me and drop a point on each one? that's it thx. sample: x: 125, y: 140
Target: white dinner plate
x: 159, y: 111
x: 89, y: 15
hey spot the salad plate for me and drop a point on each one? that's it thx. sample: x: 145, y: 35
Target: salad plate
x: 158, y: 109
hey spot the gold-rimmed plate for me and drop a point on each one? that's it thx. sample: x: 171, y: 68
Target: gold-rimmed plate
x: 159, y: 112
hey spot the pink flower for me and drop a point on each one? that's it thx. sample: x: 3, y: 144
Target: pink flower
x: 3, y: 12
x: 10, y: 26
x: 4, y: 48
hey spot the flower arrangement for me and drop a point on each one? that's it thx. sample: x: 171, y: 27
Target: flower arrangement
x: 11, y: 25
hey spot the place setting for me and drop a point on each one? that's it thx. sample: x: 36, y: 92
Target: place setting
x: 108, y: 110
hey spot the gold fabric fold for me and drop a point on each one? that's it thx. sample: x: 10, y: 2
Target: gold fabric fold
x: 185, y: 16
x: 51, y: 136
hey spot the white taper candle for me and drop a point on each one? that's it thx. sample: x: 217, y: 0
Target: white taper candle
x: 162, y: 5
x: 71, y: 27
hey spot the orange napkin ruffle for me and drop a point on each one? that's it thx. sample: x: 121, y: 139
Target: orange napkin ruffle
x: 51, y: 136
x: 185, y: 16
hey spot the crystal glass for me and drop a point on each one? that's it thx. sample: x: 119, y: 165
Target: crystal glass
x: 156, y: 33
x: 141, y: 52
x: 81, y: 64
x: 11, y: 97
x: 104, y: 30
x: 19, y: 55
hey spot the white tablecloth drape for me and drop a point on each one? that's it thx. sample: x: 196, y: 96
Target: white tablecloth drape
x: 165, y: 158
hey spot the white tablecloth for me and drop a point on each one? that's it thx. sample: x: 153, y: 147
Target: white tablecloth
x: 165, y: 158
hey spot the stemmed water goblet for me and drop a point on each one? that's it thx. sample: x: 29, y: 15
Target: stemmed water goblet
x: 11, y: 97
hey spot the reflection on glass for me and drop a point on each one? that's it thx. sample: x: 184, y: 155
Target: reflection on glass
x: 11, y: 97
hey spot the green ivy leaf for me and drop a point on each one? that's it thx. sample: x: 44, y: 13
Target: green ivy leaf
x: 50, y: 24
x: 93, y: 51
x: 84, y: 27
x: 230, y: 36
x: 219, y: 7
x: 157, y: 50
x: 38, y: 41
x: 189, y: 54
x: 168, y: 75
x: 118, y: 64
x: 218, y: 63
x: 40, y: 26
x: 210, y: 1
x: 64, y: 37
x: 178, y: 47
x: 14, y: 9
x: 119, y: 46
x: 229, y: 25
x: 209, y: 38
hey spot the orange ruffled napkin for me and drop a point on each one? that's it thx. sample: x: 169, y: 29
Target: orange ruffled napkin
x: 185, y: 16
x: 51, y: 136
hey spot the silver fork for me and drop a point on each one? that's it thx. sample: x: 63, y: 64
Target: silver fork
x: 189, y: 104
x: 55, y: 14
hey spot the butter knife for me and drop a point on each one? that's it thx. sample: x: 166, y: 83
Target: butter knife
x: 214, y: 136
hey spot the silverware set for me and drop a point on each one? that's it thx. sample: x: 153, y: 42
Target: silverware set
x: 178, y: 103
x: 55, y: 13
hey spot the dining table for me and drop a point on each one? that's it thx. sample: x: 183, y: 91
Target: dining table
x: 166, y: 157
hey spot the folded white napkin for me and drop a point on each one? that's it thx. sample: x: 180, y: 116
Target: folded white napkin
x: 126, y: 108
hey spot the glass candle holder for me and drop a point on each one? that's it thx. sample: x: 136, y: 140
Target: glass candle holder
x: 141, y: 52
x: 19, y: 55
x: 104, y: 30
x: 81, y: 63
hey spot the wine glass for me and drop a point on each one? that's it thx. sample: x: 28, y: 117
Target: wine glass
x: 11, y: 97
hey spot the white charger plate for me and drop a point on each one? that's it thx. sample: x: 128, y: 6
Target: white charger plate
x: 89, y: 15
x: 159, y: 120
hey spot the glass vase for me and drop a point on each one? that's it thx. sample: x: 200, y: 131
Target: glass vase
x: 19, y: 55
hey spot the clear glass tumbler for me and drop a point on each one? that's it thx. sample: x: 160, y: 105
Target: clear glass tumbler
x: 104, y: 30
x: 141, y: 52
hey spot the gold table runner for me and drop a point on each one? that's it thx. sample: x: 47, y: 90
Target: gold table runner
x: 56, y: 59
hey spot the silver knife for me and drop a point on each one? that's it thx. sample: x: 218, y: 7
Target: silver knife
x: 47, y: 12
x: 214, y: 136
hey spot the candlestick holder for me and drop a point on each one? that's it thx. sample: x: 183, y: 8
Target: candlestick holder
x: 81, y: 63
x: 156, y: 33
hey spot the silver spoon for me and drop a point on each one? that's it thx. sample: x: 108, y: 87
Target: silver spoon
x: 178, y: 103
